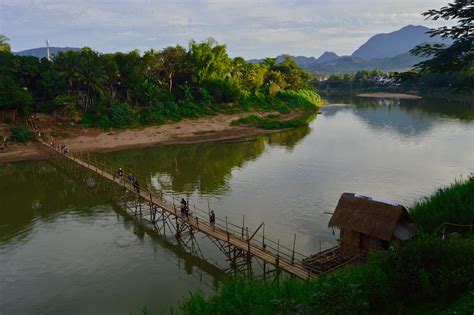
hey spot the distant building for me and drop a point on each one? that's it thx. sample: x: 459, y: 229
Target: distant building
x: 381, y: 80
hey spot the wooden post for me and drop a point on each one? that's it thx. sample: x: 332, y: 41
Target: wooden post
x: 197, y: 222
x: 227, y: 228
x: 243, y: 224
x: 263, y: 237
x: 293, y: 254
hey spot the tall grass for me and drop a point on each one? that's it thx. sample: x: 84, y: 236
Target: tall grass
x: 453, y: 204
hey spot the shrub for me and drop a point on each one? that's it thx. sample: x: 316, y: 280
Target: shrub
x: 20, y: 133
x: 120, y: 115
x: 223, y: 91
x: 305, y: 99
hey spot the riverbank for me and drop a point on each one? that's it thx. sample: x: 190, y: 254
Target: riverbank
x: 87, y: 140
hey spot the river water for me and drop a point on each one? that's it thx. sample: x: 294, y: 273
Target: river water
x: 66, y: 249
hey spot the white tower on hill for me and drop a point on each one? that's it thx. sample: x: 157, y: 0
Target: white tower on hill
x: 47, y: 50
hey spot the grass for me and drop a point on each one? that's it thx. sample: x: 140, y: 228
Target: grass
x: 427, y: 275
x: 273, y: 122
x: 453, y: 204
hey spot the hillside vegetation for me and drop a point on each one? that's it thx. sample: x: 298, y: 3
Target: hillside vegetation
x: 126, y: 89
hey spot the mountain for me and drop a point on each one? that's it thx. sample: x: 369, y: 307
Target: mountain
x: 327, y: 56
x: 41, y: 52
x: 303, y: 61
x: 395, y: 43
x: 350, y: 64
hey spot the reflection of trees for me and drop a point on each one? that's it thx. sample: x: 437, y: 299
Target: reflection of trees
x: 462, y: 110
x: 203, y: 166
x: 406, y: 117
x: 288, y: 138
x: 39, y: 190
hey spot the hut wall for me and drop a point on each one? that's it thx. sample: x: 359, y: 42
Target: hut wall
x: 374, y: 244
x: 350, y: 242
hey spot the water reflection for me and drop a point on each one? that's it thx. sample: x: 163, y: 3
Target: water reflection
x: 39, y: 191
x: 202, y: 167
x: 406, y: 118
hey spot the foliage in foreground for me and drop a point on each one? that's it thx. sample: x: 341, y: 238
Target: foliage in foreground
x: 426, y: 276
x: 453, y: 204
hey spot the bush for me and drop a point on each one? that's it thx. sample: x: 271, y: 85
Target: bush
x: 223, y: 91
x: 305, y: 99
x: 20, y: 133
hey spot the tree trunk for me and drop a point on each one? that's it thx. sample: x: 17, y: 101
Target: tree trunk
x: 170, y: 76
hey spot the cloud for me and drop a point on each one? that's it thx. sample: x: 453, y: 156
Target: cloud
x: 250, y: 28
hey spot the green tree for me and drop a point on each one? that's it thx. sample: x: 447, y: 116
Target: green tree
x: 4, y: 45
x: 92, y: 77
x: 210, y: 61
x: 459, y: 57
x: 170, y: 65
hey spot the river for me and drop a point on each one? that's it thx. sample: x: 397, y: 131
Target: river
x: 66, y: 249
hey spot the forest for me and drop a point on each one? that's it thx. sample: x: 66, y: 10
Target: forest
x: 124, y: 89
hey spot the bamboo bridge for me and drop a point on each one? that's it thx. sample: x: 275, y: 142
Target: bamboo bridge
x: 233, y: 240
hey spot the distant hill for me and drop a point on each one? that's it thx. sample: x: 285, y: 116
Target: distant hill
x: 41, y: 52
x: 350, y: 64
x: 395, y: 43
x: 327, y: 56
x: 303, y: 61
x: 386, y: 52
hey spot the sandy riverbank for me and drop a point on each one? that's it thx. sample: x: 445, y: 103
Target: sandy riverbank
x: 215, y: 128
x: 390, y: 95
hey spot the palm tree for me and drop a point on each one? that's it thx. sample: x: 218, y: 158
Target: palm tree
x: 4, y: 46
x: 92, y: 76
x: 68, y: 64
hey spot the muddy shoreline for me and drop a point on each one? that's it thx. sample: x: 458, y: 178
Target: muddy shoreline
x: 216, y: 128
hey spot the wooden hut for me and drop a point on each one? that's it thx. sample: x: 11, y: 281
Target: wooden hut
x: 369, y: 224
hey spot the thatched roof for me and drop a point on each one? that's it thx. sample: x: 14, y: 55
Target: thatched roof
x: 368, y: 216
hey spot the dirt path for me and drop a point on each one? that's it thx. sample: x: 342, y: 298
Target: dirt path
x: 213, y: 128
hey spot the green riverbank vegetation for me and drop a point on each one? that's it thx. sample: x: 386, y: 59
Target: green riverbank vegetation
x: 121, y: 90
x: 431, y: 274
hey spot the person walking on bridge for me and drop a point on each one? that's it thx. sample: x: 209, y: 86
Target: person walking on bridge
x: 212, y: 218
x: 131, y: 179
x: 120, y: 174
x: 136, y: 186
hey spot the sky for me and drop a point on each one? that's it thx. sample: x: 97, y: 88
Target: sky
x: 250, y: 28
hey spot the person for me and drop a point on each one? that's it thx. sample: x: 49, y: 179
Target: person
x: 66, y: 150
x: 184, y: 207
x: 212, y: 218
x: 131, y: 180
x: 120, y: 174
